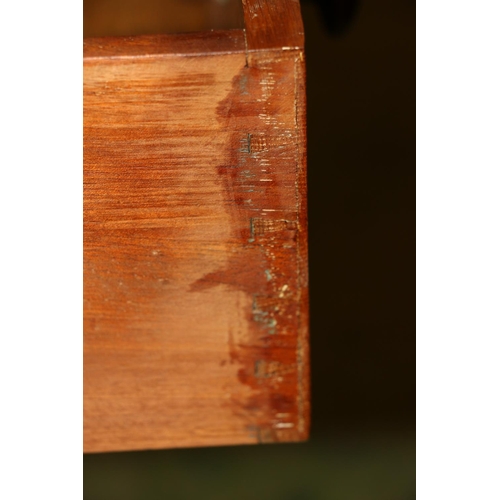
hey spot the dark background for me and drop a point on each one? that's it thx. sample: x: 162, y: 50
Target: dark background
x: 360, y: 59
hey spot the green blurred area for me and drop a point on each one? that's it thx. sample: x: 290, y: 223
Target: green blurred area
x: 368, y: 468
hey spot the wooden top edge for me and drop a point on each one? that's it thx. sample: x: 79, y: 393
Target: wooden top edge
x: 269, y: 25
x: 273, y: 24
x: 185, y: 44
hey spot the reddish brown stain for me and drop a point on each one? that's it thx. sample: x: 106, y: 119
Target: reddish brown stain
x: 258, y: 180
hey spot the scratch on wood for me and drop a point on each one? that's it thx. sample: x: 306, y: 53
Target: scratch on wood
x: 247, y: 141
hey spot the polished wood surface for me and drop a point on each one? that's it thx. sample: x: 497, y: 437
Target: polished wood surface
x: 195, y: 243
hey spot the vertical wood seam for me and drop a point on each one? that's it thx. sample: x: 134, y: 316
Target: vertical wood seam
x: 300, y: 395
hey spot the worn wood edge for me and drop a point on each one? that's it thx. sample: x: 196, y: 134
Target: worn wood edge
x: 303, y: 324
x: 272, y: 24
x: 303, y: 334
x: 191, y: 44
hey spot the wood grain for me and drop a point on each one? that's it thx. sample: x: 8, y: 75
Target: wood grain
x: 195, y: 245
x: 194, y: 44
x: 273, y: 24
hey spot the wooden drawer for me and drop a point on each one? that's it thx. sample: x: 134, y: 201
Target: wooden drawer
x: 195, y: 236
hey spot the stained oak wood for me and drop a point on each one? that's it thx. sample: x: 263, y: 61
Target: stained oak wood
x: 195, y: 243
